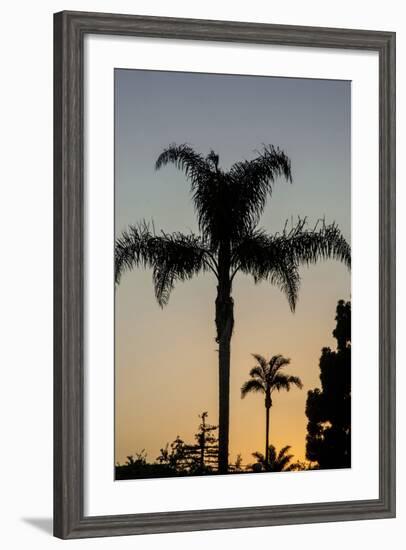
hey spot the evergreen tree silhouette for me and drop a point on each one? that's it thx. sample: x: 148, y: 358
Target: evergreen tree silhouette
x: 328, y: 440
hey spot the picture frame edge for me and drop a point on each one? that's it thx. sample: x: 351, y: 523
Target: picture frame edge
x: 234, y: 518
x: 69, y: 521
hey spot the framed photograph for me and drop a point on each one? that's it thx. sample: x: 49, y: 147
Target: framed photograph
x: 224, y: 274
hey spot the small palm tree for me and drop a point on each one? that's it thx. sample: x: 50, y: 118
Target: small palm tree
x: 265, y: 378
x: 276, y: 462
x: 228, y: 206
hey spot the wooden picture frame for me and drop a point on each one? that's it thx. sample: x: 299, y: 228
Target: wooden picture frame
x: 70, y: 29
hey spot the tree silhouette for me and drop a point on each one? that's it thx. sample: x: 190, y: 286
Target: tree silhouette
x: 206, y: 450
x: 137, y: 467
x: 200, y: 458
x: 228, y: 205
x: 175, y: 456
x: 183, y: 459
x: 328, y: 440
x: 237, y: 467
x: 265, y: 378
x: 276, y: 462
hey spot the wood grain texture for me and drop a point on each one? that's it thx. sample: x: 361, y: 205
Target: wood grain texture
x: 69, y: 30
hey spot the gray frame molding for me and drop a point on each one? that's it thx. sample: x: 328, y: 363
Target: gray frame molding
x: 69, y: 30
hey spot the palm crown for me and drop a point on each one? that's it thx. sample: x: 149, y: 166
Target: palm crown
x: 228, y: 206
x: 277, y: 462
x: 266, y: 377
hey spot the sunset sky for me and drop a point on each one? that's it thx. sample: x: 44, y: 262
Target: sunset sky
x: 166, y: 360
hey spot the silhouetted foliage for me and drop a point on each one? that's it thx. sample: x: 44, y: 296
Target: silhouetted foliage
x: 182, y: 459
x: 177, y: 458
x: 137, y: 467
x: 205, y: 452
x: 228, y: 205
x: 301, y: 465
x: 277, y: 462
x: 328, y: 440
x: 193, y: 459
x: 237, y: 467
x: 265, y: 378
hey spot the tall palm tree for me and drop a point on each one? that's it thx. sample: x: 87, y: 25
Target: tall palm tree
x: 265, y: 378
x: 275, y: 462
x: 228, y: 206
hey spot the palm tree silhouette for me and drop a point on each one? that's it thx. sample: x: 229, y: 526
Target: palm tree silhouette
x: 266, y: 377
x: 228, y: 205
x: 276, y: 462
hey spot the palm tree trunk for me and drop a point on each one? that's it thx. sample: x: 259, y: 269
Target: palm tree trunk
x: 224, y: 326
x: 267, y: 436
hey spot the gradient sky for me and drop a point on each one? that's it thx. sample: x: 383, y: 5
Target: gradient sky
x: 166, y: 360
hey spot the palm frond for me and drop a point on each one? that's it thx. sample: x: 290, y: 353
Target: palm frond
x: 277, y: 462
x: 257, y: 255
x: 285, y: 381
x: 283, y: 459
x: 252, y: 182
x: 283, y: 451
x: 281, y: 361
x: 278, y: 361
x: 208, y: 185
x: 179, y: 258
x: 258, y: 372
x: 133, y: 248
x: 295, y: 381
x: 282, y: 463
x: 271, y: 454
x: 259, y: 456
x: 303, y: 245
x: 277, y: 258
x: 260, y: 360
x: 185, y: 158
x: 229, y: 203
x: 174, y: 257
x: 252, y: 385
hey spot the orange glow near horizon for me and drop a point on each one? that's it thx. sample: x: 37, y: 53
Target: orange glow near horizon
x: 178, y: 352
